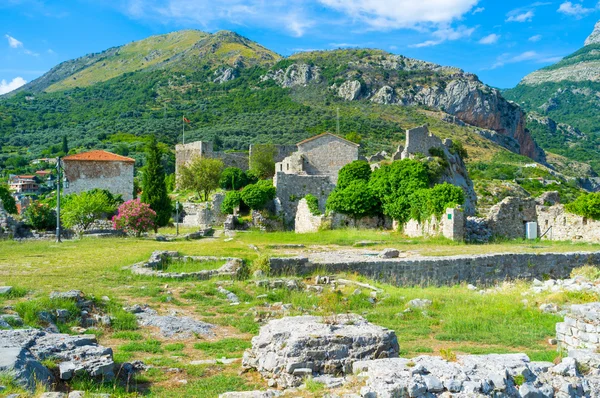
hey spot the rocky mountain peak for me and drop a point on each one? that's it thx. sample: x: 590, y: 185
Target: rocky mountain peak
x: 594, y: 38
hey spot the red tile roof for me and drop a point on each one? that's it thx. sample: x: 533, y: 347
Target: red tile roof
x: 99, y: 156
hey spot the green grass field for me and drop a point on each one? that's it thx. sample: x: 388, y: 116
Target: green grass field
x: 459, y: 320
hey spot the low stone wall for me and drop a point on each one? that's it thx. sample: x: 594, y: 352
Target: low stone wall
x: 581, y: 328
x: 484, y: 269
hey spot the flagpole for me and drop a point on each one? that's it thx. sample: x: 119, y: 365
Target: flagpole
x: 183, y: 128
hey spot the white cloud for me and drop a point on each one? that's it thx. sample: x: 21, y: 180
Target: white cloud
x: 446, y: 33
x: 490, y: 39
x: 51, y: 51
x: 575, y: 10
x: 521, y: 17
x: 12, y: 42
x: 531, y: 56
x: 288, y: 14
x: 478, y: 10
x: 385, y: 14
x: 29, y: 52
x: 535, y: 38
x: 6, y: 87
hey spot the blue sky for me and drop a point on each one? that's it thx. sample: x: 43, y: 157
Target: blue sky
x: 500, y: 41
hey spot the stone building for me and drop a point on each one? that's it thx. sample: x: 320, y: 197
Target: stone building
x: 99, y: 169
x: 313, y: 169
x: 184, y: 153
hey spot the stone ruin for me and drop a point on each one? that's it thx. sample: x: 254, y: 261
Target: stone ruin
x: 581, y: 328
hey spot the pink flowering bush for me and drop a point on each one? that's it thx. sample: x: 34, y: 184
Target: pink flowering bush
x: 134, y: 217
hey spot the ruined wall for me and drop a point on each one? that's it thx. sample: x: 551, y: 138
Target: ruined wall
x: 293, y: 164
x: 184, y: 153
x: 507, y: 219
x: 581, y: 328
x: 420, y: 140
x: 281, y: 151
x: 291, y: 188
x: 203, y: 215
x: 327, y: 155
x: 305, y: 221
x: 565, y: 225
x: 452, y: 225
x: 116, y: 177
x: 480, y: 270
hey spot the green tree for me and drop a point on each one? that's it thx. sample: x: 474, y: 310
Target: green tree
x: 587, y: 205
x: 65, y: 145
x: 393, y: 185
x: 356, y: 200
x: 201, y: 175
x: 262, y: 161
x: 154, y: 187
x: 357, y: 170
x: 354, y: 137
x: 434, y: 201
x: 233, y: 178
x: 256, y: 196
x: 7, y: 200
x: 81, y: 210
x: 231, y: 202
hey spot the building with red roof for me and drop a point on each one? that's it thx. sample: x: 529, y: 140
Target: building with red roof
x: 99, y: 169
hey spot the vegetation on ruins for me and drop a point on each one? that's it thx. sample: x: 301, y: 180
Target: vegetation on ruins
x: 357, y: 170
x: 201, y: 175
x: 261, y: 161
x: 256, y: 196
x: 40, y: 216
x: 434, y: 201
x: 231, y: 201
x: 135, y: 217
x: 81, y: 210
x: 154, y: 187
x: 233, y: 178
x: 586, y: 205
x: 356, y: 200
x: 313, y: 204
x: 7, y: 200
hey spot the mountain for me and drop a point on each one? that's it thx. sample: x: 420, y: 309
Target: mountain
x: 567, y: 95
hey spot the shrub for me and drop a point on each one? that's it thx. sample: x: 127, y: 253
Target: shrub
x: 231, y: 202
x: 256, y: 196
x: 233, y: 178
x: 435, y: 201
x: 7, y: 200
x: 356, y: 200
x: 357, y: 170
x: 81, y: 210
x: 135, y: 217
x: 313, y: 204
x: 457, y: 147
x: 40, y: 216
x: 587, y: 205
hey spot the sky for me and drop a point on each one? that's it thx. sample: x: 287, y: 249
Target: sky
x: 500, y: 41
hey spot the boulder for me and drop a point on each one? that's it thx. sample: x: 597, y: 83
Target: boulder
x: 289, y: 349
x: 173, y: 326
x: 5, y: 289
x: 390, y: 253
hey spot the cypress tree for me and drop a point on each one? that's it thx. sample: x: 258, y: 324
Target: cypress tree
x: 154, y: 188
x: 65, y: 145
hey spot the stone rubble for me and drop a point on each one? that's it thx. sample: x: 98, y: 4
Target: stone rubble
x: 581, y: 328
x: 232, y: 297
x: 171, y: 326
x: 289, y: 349
x: 496, y: 375
x: 23, y: 350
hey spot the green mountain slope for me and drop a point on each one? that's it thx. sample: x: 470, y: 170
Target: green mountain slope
x: 568, y: 92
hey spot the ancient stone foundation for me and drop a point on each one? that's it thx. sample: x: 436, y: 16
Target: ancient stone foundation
x: 581, y: 328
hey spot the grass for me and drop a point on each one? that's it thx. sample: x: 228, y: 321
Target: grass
x: 459, y: 321
x: 226, y: 348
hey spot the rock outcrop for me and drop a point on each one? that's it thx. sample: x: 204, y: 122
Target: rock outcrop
x: 506, y: 375
x: 294, y: 75
x: 22, y: 352
x: 594, y: 37
x: 289, y: 349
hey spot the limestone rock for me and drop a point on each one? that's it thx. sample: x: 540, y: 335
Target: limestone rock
x: 174, y: 326
x: 419, y: 303
x: 23, y: 350
x: 385, y: 95
x: 319, y: 345
x: 594, y: 37
x: 294, y: 75
x: 251, y: 394
x: 350, y: 90
x: 390, y: 253
x: 5, y: 289
x: 224, y: 75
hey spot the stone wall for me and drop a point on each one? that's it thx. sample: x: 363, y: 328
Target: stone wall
x: 184, y: 153
x: 116, y: 177
x: 481, y: 270
x: 562, y: 225
x: 581, y: 328
x: 291, y: 188
x: 281, y: 151
x: 507, y: 219
x: 305, y: 221
x: 452, y: 225
x: 327, y: 154
x: 203, y: 215
x: 420, y: 140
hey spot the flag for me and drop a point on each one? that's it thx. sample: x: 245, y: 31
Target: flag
x: 186, y: 120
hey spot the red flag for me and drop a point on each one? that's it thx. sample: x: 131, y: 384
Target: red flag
x: 186, y: 120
